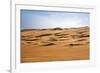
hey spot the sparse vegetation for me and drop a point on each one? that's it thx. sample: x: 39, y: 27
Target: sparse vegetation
x: 57, y: 28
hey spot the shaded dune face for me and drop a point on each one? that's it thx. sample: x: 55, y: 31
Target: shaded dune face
x: 56, y: 44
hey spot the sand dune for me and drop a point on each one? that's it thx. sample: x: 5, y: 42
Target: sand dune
x: 56, y: 44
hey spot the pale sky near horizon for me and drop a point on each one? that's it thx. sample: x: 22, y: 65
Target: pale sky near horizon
x: 36, y: 19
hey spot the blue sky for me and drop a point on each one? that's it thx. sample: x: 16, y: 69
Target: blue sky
x: 36, y: 19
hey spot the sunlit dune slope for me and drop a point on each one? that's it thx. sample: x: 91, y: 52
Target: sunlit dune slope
x: 54, y: 44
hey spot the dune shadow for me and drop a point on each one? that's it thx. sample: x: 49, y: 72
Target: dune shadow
x: 75, y: 44
x: 48, y: 44
x: 52, y: 39
x: 42, y: 35
x: 80, y: 40
x: 30, y: 39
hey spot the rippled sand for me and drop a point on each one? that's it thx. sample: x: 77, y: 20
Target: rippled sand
x: 56, y: 44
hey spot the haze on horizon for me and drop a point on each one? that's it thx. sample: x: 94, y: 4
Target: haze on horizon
x: 36, y: 19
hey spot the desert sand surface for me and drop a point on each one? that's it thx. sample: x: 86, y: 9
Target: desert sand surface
x: 54, y: 44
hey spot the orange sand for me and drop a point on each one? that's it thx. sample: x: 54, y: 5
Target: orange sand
x: 57, y: 44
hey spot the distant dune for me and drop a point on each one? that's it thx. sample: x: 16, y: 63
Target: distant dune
x: 54, y: 44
